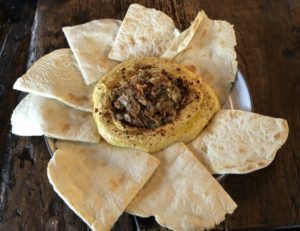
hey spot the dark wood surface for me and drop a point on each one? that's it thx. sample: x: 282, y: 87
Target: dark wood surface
x: 268, y: 37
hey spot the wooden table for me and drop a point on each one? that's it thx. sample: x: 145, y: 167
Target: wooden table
x: 268, y: 37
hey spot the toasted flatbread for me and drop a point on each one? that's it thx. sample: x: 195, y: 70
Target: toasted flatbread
x: 207, y: 48
x: 36, y: 115
x: 177, y: 44
x: 143, y: 32
x: 181, y: 42
x: 239, y: 142
x: 56, y: 75
x: 182, y: 194
x: 90, y: 43
x: 98, y: 181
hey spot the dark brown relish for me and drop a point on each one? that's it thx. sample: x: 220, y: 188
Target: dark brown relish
x: 148, y: 98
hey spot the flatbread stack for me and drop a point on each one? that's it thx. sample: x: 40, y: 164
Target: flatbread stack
x: 109, y: 177
x: 100, y: 181
x: 207, y: 48
x: 56, y: 75
x: 182, y: 194
x: 36, y: 116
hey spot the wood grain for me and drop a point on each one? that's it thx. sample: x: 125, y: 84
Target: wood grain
x: 268, y: 36
x: 15, y: 24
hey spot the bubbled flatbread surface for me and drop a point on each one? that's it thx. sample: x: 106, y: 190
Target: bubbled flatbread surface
x: 98, y: 181
x: 182, y: 194
x: 143, y: 32
x: 36, y: 116
x: 90, y: 43
x: 207, y: 48
x: 56, y: 75
x: 239, y: 142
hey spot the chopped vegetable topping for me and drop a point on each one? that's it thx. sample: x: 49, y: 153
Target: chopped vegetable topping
x: 149, y: 99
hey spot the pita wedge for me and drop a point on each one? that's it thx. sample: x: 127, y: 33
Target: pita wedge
x: 36, y: 115
x: 56, y: 75
x: 239, y: 142
x: 143, y: 32
x: 181, y: 42
x: 207, y: 48
x: 182, y: 194
x: 98, y: 181
x: 90, y: 43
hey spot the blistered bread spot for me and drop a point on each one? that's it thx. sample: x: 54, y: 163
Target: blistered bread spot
x: 192, y: 68
x: 65, y: 127
x: 277, y: 136
x: 131, y: 41
x: 261, y: 164
x: 115, y: 183
x: 78, y: 98
x: 242, y: 150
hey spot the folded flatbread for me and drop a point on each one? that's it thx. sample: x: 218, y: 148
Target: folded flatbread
x: 207, y: 48
x: 56, y: 75
x: 182, y: 194
x: 143, y: 32
x: 90, y: 43
x: 239, y: 142
x: 98, y: 181
x: 36, y: 115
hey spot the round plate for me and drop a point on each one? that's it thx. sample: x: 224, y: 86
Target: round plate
x: 239, y: 98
